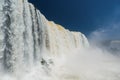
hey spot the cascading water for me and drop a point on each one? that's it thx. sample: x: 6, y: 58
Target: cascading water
x: 33, y: 48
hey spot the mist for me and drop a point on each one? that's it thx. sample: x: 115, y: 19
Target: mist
x: 99, y: 61
x: 91, y: 63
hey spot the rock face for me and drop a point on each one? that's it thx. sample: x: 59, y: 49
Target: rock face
x: 25, y: 35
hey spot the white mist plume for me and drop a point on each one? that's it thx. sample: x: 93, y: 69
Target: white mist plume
x: 81, y: 64
x: 30, y: 33
x: 106, y: 33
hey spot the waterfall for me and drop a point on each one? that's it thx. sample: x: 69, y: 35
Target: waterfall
x: 34, y: 48
x: 27, y: 36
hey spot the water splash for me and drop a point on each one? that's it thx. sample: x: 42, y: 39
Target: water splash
x: 80, y: 64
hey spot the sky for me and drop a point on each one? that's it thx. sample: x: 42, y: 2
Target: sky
x: 87, y: 16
